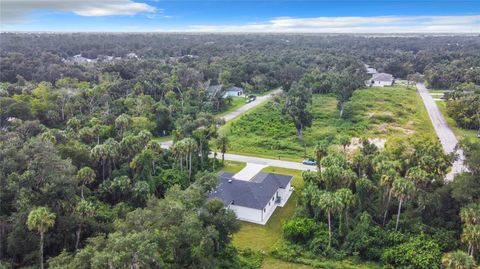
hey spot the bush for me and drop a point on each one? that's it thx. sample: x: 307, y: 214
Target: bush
x: 418, y: 252
x: 299, y: 230
x: 366, y: 239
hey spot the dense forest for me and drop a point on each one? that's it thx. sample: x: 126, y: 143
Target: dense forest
x: 84, y: 182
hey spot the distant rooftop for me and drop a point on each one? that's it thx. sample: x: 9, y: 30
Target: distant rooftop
x: 382, y: 77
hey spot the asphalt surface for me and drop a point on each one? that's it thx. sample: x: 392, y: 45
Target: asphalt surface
x: 267, y: 162
x: 232, y: 115
x: 447, y: 138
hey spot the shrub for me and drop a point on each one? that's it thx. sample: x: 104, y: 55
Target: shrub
x: 418, y: 252
x: 366, y: 239
x: 299, y: 230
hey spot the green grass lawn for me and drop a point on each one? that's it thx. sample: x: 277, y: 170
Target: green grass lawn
x: 237, y: 102
x: 263, y: 237
x: 233, y: 167
x: 393, y: 112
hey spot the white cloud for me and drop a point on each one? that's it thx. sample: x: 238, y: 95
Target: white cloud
x: 378, y: 24
x: 15, y: 11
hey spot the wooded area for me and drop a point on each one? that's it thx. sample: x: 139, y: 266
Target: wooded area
x: 85, y: 183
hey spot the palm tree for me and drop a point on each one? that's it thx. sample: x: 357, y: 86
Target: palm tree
x: 179, y: 149
x: 470, y: 216
x: 191, y: 147
x: 345, y: 141
x: 86, y: 175
x: 330, y: 203
x: 348, y: 199
x: 471, y: 236
x: 122, y: 122
x: 84, y: 209
x: 309, y: 194
x: 386, y: 181
x: 403, y: 189
x: 222, y: 144
x: 100, y: 153
x: 320, y: 152
x: 458, y: 260
x: 40, y: 219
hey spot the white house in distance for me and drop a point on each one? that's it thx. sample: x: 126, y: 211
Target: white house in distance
x: 233, y: 92
x: 253, y: 200
x: 381, y: 80
x: 370, y: 70
x: 213, y: 90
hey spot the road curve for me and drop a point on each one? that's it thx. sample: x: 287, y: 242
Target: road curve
x: 447, y: 138
x: 232, y: 115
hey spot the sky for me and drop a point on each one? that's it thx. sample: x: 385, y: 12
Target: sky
x: 291, y: 16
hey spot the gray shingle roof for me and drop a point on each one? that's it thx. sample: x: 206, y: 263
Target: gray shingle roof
x: 234, y: 89
x: 213, y: 89
x: 382, y: 77
x: 253, y: 194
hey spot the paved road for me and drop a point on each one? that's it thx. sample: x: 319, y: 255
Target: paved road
x: 445, y: 134
x: 260, y: 100
x: 254, y: 160
x: 268, y: 162
x: 230, y: 116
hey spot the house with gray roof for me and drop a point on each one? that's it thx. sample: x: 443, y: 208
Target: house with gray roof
x: 381, y: 80
x: 256, y: 199
x: 233, y: 92
x: 213, y: 90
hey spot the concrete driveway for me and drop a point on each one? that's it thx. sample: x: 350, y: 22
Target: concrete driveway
x: 249, y: 171
x: 447, y: 138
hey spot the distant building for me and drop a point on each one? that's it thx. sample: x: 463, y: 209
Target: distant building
x: 381, y: 80
x: 233, y: 92
x: 79, y: 59
x: 132, y: 55
x: 213, y: 90
x: 254, y: 200
x: 370, y: 70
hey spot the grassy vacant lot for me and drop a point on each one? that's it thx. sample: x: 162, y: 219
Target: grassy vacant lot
x: 371, y: 113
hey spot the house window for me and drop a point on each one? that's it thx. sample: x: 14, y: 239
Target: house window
x: 273, y: 198
x: 268, y: 203
x: 264, y: 209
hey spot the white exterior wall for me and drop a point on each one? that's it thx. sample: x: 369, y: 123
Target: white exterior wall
x: 233, y: 93
x: 381, y: 83
x: 247, y: 214
x: 261, y: 216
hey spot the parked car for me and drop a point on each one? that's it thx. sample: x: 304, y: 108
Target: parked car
x: 309, y: 162
x: 248, y: 101
x: 252, y: 98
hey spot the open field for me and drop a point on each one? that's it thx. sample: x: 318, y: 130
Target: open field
x: 393, y: 112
